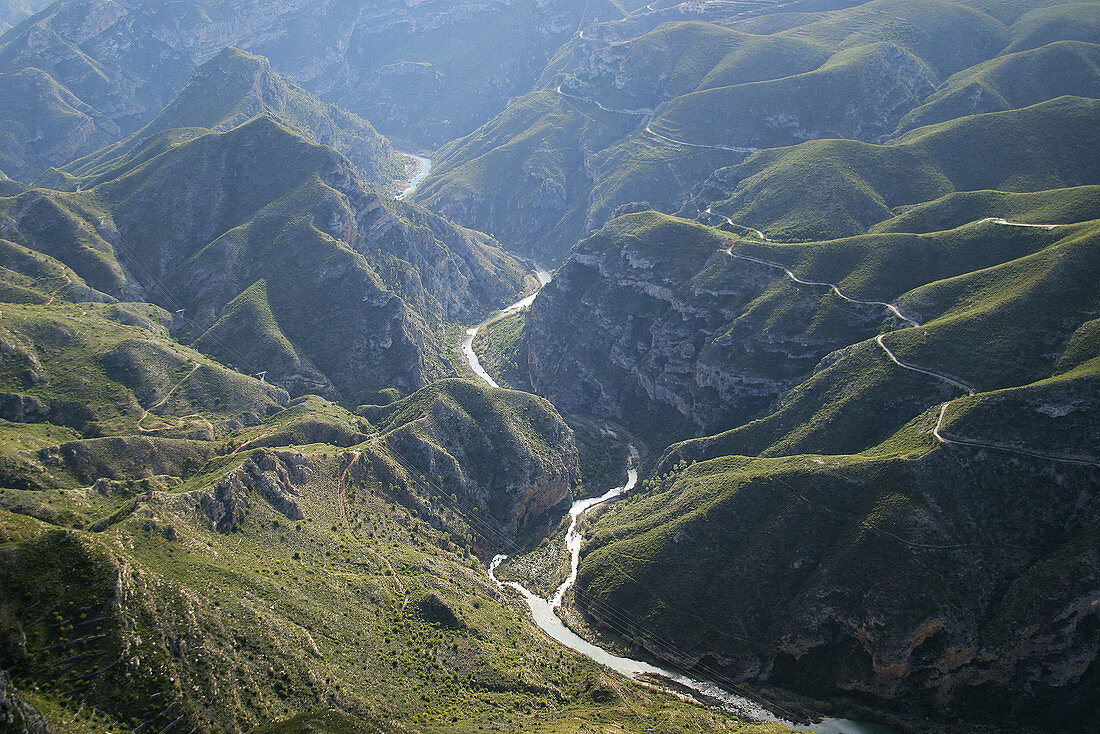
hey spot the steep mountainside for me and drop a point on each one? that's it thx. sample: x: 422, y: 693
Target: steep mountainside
x: 854, y: 430
x: 827, y: 319
x: 229, y: 90
x: 227, y: 231
x: 157, y: 569
x: 520, y: 474
x: 45, y: 124
x: 637, y: 111
x: 417, y: 71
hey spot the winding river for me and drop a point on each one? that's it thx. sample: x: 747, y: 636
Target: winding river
x: 468, y: 342
x: 424, y: 166
x: 544, y: 611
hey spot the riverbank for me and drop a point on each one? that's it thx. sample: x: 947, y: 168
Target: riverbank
x: 416, y: 170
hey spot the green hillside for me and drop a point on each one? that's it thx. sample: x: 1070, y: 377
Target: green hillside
x: 780, y: 550
x: 239, y: 268
x: 856, y: 488
x: 825, y: 309
x: 1015, y: 80
x: 507, y: 453
x: 546, y: 172
x: 295, y: 581
x: 949, y: 36
x: 859, y: 93
x: 1045, y: 146
x: 45, y: 124
x: 1061, y: 21
x: 231, y: 89
x: 1054, y: 206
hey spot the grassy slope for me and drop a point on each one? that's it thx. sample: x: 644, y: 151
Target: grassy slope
x: 529, y: 154
x: 859, y: 93
x: 506, y: 452
x: 1011, y: 81
x: 242, y: 262
x: 1054, y: 206
x: 794, y: 559
x: 1062, y: 21
x: 360, y: 606
x: 368, y: 597
x: 500, y: 349
x: 949, y: 36
x: 765, y: 528
x: 848, y: 73
x: 232, y: 88
x: 1044, y: 146
x: 999, y: 308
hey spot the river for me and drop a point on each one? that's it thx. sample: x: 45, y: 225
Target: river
x: 544, y: 613
x: 424, y: 166
x: 468, y: 342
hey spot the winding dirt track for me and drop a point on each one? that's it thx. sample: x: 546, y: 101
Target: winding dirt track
x: 937, y: 432
x: 732, y: 223
x: 638, y: 112
x: 674, y: 141
x: 162, y: 401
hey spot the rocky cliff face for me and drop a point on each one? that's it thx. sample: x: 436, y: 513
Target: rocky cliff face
x: 510, y: 455
x: 273, y: 476
x: 652, y: 323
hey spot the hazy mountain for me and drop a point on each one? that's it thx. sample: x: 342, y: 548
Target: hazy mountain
x: 423, y: 72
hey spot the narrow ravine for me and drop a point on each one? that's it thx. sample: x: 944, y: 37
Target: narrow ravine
x: 471, y: 333
x: 544, y: 611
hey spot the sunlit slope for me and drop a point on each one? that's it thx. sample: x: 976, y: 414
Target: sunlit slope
x: 949, y: 36
x: 1060, y: 21
x: 656, y: 115
x: 1015, y: 80
x: 1000, y: 309
x: 507, y: 453
x: 154, y: 501
x: 296, y: 580
x: 859, y: 93
x: 866, y: 488
x: 678, y: 58
x: 226, y: 231
x: 1053, y: 206
x: 832, y: 188
x: 231, y: 89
